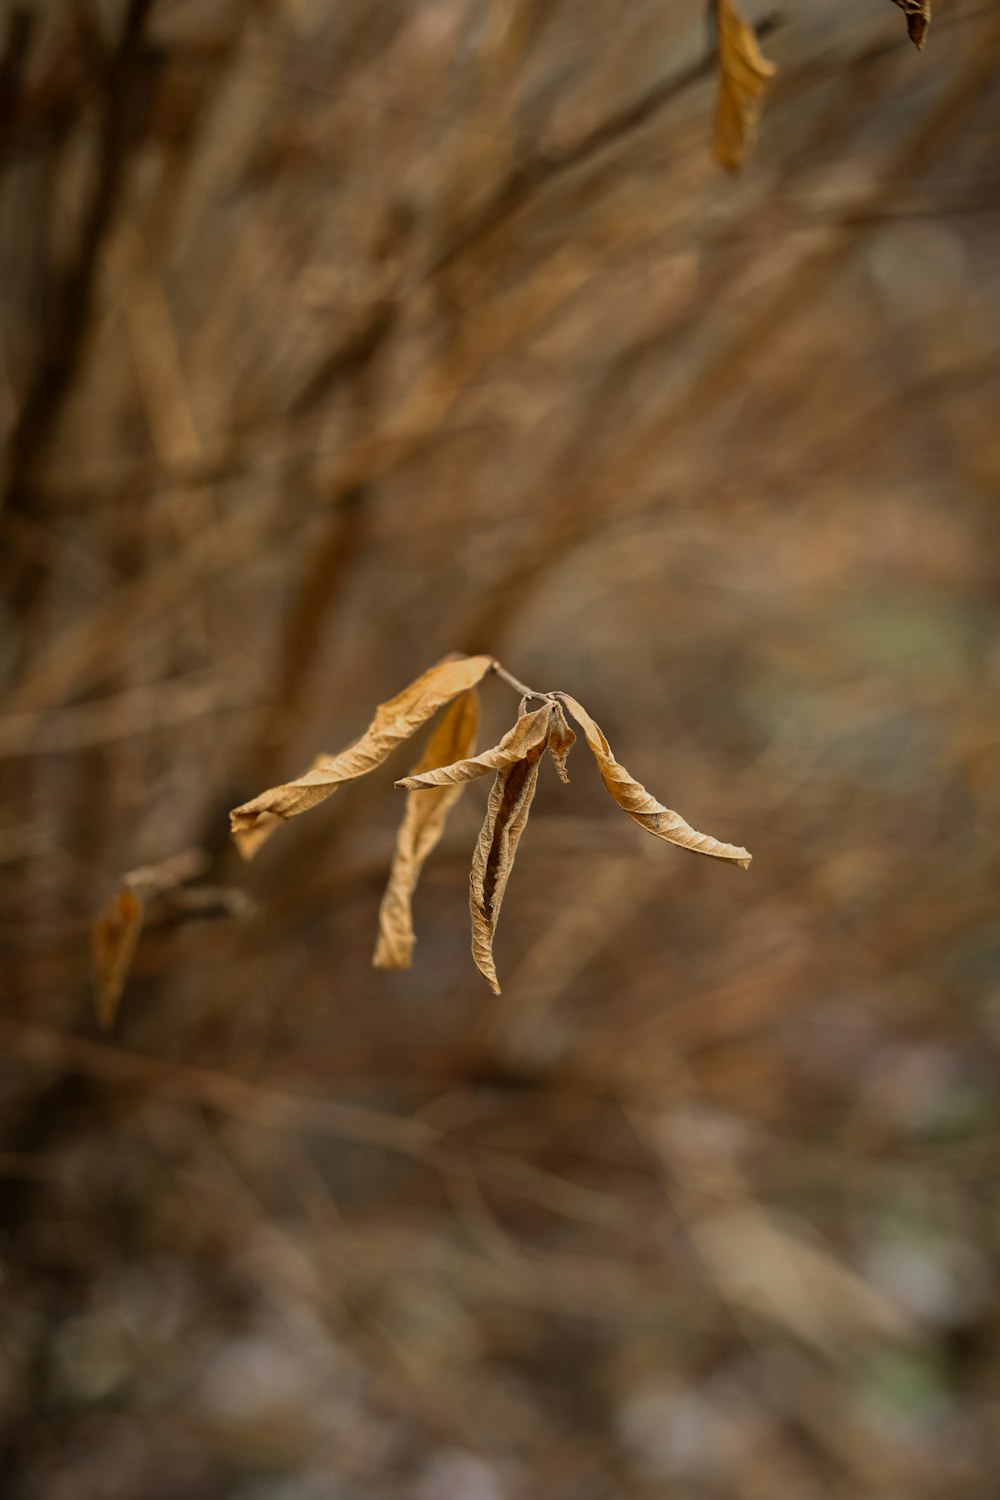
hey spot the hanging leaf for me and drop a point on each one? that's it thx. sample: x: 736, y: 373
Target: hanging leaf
x: 421, y: 829
x: 643, y: 808
x: 394, y: 722
x: 116, y: 936
x: 918, y: 19
x: 493, y: 858
x: 117, y: 929
x: 561, y: 741
x: 744, y: 76
x: 530, y: 733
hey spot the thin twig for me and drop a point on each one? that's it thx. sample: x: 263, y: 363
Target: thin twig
x: 519, y: 687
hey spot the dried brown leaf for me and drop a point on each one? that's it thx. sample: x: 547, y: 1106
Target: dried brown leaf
x: 918, y: 19
x: 116, y: 935
x: 744, y: 76
x: 394, y: 722
x: 561, y: 741
x: 530, y: 733
x: 493, y: 857
x: 116, y: 931
x: 421, y: 829
x: 640, y: 805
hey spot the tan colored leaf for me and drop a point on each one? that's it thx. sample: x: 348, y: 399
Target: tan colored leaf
x: 421, y: 829
x: 744, y: 76
x: 640, y: 805
x: 248, y: 840
x: 918, y: 19
x: 561, y: 741
x: 394, y: 722
x: 530, y: 732
x: 115, y: 937
x: 493, y: 857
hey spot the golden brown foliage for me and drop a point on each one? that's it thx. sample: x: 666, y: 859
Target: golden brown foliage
x: 643, y: 808
x: 433, y: 788
x: 493, y: 858
x: 529, y: 734
x: 394, y: 722
x: 918, y: 19
x: 386, y: 328
x: 744, y: 76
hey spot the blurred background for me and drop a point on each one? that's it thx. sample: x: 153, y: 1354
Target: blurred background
x: 337, y: 337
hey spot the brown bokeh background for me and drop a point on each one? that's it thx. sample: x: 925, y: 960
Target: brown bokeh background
x: 338, y: 337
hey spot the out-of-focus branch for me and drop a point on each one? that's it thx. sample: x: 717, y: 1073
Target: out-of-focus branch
x: 64, y: 341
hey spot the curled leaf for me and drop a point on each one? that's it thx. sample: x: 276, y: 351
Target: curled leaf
x: 561, y: 741
x: 421, y: 829
x: 493, y: 858
x: 530, y: 733
x: 643, y: 808
x: 394, y: 722
x: 918, y: 19
x: 744, y: 76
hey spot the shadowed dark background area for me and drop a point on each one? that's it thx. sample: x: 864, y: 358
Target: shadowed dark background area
x: 334, y: 338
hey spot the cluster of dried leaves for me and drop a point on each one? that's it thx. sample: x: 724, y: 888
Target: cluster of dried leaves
x: 745, y: 75
x: 436, y: 781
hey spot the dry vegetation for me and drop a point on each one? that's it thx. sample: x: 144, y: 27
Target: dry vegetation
x: 337, y: 340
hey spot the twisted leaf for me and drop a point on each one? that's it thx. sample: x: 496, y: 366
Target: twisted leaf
x: 530, y: 732
x: 561, y: 741
x: 394, y: 722
x: 643, y: 808
x: 493, y: 858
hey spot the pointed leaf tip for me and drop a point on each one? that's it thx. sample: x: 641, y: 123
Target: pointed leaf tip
x: 420, y: 831
x: 744, y: 77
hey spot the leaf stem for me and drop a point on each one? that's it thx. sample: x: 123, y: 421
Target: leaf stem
x: 519, y: 687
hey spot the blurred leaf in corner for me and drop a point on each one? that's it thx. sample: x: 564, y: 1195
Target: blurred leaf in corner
x: 116, y: 934
x: 744, y: 76
x: 918, y: 19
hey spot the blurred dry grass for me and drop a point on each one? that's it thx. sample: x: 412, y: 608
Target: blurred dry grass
x: 338, y: 337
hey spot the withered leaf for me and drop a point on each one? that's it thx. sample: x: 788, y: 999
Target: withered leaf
x: 116, y: 934
x: 493, y: 857
x: 918, y: 19
x: 116, y: 931
x: 529, y: 733
x: 394, y: 722
x: 744, y: 76
x: 249, y: 839
x: 561, y: 741
x: 643, y: 808
x: 421, y: 829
